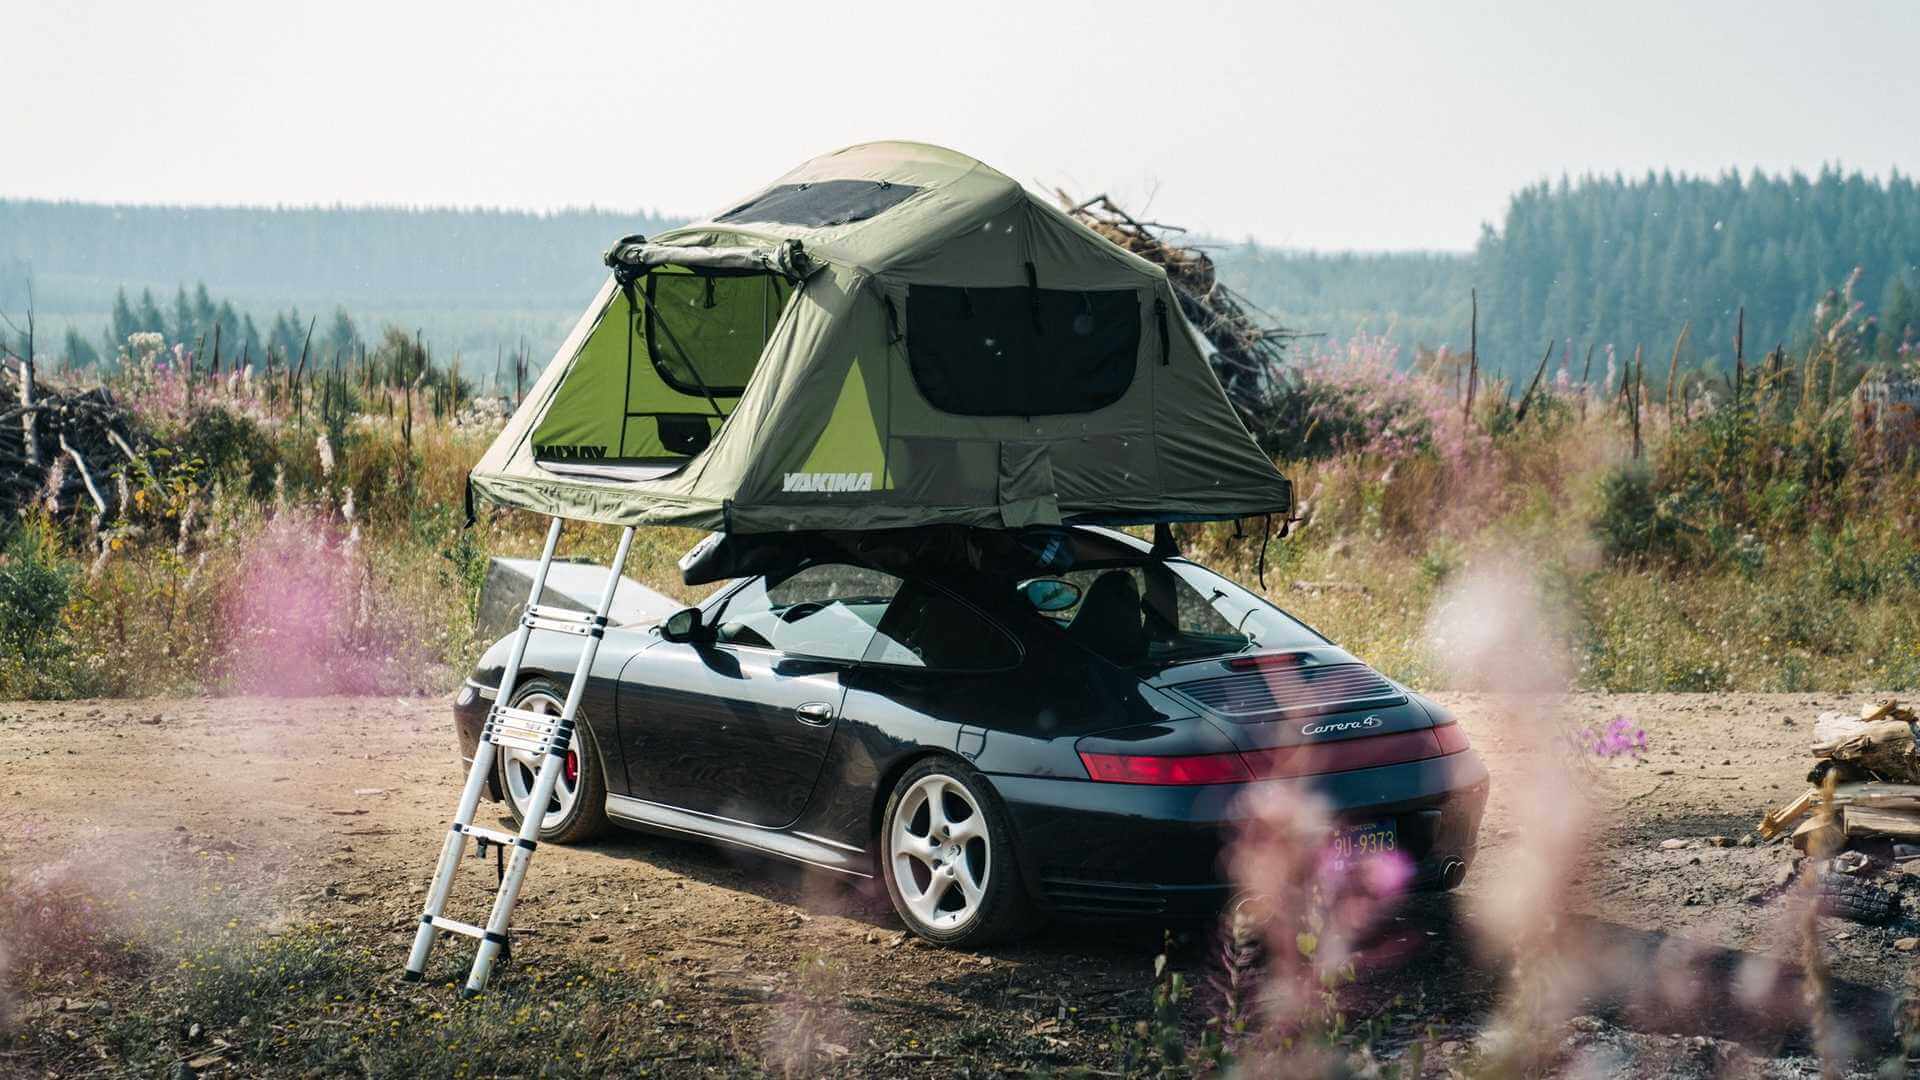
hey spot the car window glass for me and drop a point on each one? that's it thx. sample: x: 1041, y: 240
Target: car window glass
x: 826, y: 611
x: 1163, y: 611
x: 924, y: 627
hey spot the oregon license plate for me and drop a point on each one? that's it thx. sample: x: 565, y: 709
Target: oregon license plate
x: 1361, y: 841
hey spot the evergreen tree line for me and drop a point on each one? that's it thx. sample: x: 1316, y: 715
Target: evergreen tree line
x: 196, y: 321
x: 1631, y: 262
x: 1609, y: 260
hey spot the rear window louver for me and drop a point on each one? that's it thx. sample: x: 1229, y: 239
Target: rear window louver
x: 1258, y: 695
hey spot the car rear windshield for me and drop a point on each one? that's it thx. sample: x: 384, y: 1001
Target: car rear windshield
x: 1157, y: 612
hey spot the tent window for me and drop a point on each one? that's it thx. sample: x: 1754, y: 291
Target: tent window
x: 705, y: 332
x: 821, y: 203
x: 1022, y: 351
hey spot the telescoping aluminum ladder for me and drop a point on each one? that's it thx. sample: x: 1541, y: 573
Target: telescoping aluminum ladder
x: 546, y: 736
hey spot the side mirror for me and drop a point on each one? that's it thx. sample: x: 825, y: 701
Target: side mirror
x: 684, y: 625
x: 1050, y: 594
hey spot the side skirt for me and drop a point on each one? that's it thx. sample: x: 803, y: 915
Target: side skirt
x: 813, y: 851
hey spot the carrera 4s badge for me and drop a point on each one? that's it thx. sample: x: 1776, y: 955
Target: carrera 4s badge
x: 1362, y: 724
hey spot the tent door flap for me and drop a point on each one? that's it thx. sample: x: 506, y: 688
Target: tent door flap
x: 1028, y: 495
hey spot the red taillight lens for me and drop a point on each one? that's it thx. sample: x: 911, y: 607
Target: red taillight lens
x: 1186, y: 769
x: 1342, y: 755
x: 1453, y: 738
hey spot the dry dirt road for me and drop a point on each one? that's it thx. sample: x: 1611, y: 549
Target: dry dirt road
x: 333, y: 810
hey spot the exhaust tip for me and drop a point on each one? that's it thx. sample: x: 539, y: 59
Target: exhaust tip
x: 1452, y: 872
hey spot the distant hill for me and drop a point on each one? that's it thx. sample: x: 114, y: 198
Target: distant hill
x: 468, y: 278
x: 1603, y: 259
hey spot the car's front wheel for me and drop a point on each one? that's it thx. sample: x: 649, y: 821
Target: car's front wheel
x: 577, y: 810
x: 949, y: 863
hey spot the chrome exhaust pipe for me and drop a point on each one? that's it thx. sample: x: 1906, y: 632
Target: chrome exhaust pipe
x: 1452, y: 872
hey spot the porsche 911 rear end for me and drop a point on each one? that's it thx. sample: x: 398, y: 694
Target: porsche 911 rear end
x: 1142, y: 834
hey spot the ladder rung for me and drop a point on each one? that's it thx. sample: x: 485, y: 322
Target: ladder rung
x: 559, y: 614
x: 528, y: 743
x: 458, y: 927
x: 491, y: 836
x: 509, y: 716
x: 523, y: 730
x: 564, y: 621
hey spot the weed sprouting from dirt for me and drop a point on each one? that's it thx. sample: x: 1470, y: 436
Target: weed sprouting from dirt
x: 810, y: 1030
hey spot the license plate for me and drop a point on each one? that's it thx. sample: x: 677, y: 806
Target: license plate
x: 1361, y: 841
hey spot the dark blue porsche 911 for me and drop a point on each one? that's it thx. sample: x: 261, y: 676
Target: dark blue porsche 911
x: 996, y: 725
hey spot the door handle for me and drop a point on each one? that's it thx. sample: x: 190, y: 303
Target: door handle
x: 817, y: 713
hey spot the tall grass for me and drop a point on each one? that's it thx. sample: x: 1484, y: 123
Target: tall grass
x: 306, y: 533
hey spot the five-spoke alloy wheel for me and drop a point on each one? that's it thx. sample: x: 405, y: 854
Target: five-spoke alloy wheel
x: 948, y: 856
x: 577, y: 809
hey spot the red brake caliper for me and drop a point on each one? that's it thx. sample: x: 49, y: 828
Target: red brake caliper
x: 572, y: 767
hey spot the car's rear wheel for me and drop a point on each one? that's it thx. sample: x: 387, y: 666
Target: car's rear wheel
x: 949, y: 863
x: 577, y: 810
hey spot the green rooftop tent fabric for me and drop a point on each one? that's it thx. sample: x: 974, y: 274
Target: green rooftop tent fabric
x: 891, y: 335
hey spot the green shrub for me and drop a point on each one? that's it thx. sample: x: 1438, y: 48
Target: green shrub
x: 1634, y: 521
x: 36, y: 583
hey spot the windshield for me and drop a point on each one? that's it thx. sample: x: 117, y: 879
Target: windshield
x: 1157, y: 612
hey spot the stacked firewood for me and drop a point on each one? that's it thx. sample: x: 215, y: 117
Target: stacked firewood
x: 80, y: 438
x: 1247, y: 348
x: 1867, y: 775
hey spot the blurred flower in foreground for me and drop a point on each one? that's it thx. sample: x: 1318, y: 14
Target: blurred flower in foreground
x: 1620, y: 738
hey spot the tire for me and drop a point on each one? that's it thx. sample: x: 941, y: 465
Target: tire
x: 1860, y: 901
x: 578, y: 810
x: 965, y: 892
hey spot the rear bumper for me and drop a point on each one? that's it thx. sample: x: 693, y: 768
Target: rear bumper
x: 1134, y: 850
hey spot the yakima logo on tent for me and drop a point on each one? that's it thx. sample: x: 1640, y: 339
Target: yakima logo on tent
x: 827, y: 481
x: 569, y: 453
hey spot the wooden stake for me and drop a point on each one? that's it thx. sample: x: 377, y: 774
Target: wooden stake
x: 1673, y: 369
x: 295, y: 374
x: 1526, y: 399
x: 1473, y: 355
x: 1586, y: 374
x: 1739, y: 353
x: 1639, y: 392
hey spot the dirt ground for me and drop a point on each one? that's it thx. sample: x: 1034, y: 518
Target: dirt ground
x: 333, y: 810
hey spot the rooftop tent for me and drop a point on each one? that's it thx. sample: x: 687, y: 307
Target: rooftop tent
x: 891, y: 335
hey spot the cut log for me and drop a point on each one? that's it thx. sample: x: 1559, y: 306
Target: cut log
x: 1778, y: 821
x: 1863, y: 821
x: 1820, y: 835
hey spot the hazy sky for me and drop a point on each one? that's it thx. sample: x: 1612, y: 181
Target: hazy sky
x: 1326, y: 125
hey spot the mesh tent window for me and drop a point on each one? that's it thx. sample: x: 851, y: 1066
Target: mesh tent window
x: 1022, y: 351
x: 705, y: 331
x: 821, y: 203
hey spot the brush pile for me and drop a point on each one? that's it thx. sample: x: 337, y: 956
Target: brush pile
x: 82, y: 437
x: 1247, y: 351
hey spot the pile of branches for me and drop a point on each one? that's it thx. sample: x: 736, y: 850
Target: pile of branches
x: 81, y: 438
x: 1248, y: 347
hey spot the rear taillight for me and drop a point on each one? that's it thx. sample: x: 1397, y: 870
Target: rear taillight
x: 1372, y: 751
x: 1453, y: 737
x: 1149, y: 769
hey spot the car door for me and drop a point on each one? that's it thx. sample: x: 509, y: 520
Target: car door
x: 739, y: 727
